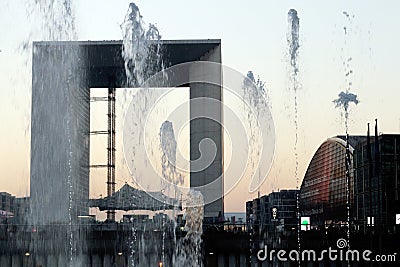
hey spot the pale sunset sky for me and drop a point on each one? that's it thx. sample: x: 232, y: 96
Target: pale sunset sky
x: 253, y: 37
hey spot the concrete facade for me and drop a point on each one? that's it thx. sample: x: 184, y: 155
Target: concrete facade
x: 206, y: 113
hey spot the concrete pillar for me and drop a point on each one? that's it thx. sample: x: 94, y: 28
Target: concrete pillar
x: 206, y: 118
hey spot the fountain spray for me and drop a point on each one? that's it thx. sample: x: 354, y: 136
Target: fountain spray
x: 141, y: 53
x: 293, y: 43
x: 168, y: 163
x: 55, y: 21
x: 255, y: 94
x: 343, y: 102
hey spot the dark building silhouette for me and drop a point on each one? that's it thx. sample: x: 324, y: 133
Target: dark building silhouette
x: 376, y: 186
x: 13, y: 209
x: 271, y: 214
x: 6, y: 202
x: 373, y: 186
x: 21, y: 210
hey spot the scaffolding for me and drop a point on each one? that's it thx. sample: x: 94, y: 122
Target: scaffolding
x: 110, y: 132
x: 111, y: 149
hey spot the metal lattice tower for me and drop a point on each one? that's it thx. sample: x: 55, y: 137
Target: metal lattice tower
x: 110, y: 132
x: 111, y: 149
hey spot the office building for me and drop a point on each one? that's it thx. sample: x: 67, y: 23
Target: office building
x: 377, y: 183
x: 271, y: 214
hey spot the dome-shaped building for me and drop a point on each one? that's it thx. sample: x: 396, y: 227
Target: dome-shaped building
x: 323, y: 194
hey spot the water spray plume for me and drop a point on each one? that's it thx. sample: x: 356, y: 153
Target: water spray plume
x: 344, y: 99
x: 140, y: 61
x: 168, y: 142
x: 139, y: 57
x: 293, y: 39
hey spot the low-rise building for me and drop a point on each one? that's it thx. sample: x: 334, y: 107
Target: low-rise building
x: 272, y: 215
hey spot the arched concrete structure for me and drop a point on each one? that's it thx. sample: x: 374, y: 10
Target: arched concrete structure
x: 62, y: 74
